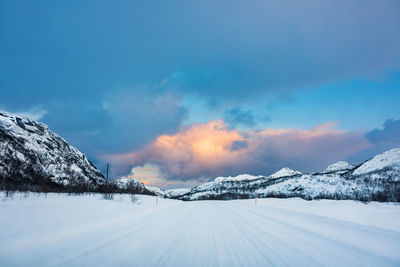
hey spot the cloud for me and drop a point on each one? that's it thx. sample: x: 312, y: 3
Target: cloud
x: 79, y: 117
x: 147, y: 174
x: 150, y: 174
x: 388, y: 136
x: 34, y: 113
x: 381, y: 140
x: 236, y: 116
x: 139, y: 115
x: 253, y: 49
x: 238, y: 145
x: 212, y: 149
x: 275, y: 47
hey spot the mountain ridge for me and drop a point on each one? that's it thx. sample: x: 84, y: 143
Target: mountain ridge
x: 376, y: 179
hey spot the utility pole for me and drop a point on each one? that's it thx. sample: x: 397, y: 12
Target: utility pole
x: 107, y: 173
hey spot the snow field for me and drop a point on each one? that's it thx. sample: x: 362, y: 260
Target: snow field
x: 62, y: 230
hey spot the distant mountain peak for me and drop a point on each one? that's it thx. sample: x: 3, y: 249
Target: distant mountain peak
x: 284, y: 172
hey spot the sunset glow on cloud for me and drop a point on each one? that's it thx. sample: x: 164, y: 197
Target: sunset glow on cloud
x: 211, y: 149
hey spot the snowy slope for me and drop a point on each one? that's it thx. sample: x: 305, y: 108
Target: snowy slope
x: 173, y: 193
x: 247, y: 177
x: 61, y: 230
x: 157, y: 191
x: 241, y: 177
x: 285, y: 172
x: 30, y: 153
x: 388, y: 159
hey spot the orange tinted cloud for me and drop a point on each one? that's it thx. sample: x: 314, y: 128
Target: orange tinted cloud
x: 213, y: 149
x: 200, y: 147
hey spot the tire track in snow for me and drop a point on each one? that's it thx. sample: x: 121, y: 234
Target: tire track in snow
x: 117, y: 237
x: 318, y: 239
x: 283, y: 253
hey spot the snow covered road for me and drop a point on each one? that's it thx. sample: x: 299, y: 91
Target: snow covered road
x: 63, y: 230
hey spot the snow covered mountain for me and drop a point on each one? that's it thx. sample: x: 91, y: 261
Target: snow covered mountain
x: 32, y: 155
x: 376, y: 179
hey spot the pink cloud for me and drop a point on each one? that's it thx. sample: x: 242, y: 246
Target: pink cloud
x: 212, y: 149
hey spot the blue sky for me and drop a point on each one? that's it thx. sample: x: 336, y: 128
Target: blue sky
x: 113, y: 76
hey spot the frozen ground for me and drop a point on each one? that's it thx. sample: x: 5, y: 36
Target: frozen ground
x: 63, y: 230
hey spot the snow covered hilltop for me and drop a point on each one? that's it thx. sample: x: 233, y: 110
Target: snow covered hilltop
x: 31, y: 156
x: 377, y: 179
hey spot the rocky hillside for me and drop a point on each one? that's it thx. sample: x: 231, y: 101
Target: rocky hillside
x: 31, y: 155
x: 377, y: 179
